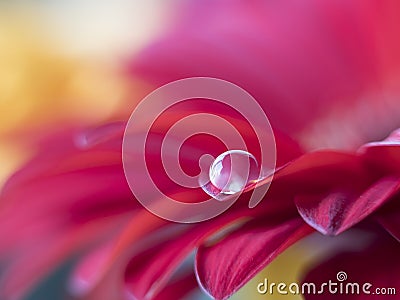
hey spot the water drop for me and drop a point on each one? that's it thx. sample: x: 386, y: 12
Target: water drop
x: 230, y: 173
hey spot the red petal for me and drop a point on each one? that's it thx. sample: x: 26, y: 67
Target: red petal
x: 377, y: 264
x: 63, y: 200
x: 384, y: 155
x: 341, y: 209
x: 225, y: 267
x: 151, y: 267
x: 179, y: 288
x: 149, y: 272
x: 59, y: 192
x: 317, y: 171
x: 36, y: 257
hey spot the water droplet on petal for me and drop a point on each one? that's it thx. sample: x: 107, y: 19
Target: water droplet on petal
x: 230, y: 173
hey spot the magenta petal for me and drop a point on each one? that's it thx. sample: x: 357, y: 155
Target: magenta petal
x: 339, y: 210
x: 378, y: 265
x: 148, y: 272
x: 223, y: 268
x: 319, y: 168
x: 179, y: 288
x: 385, y: 155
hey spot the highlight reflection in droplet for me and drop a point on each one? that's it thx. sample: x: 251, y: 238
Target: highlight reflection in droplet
x: 230, y: 173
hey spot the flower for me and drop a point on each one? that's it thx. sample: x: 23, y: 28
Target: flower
x: 96, y: 210
x: 325, y: 72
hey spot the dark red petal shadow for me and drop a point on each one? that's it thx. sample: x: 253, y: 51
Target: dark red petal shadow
x: 389, y: 217
x: 391, y: 222
x: 378, y: 264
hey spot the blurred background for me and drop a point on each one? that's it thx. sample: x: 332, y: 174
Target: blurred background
x: 62, y: 62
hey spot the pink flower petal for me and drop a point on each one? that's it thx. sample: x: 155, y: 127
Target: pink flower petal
x: 223, y: 268
x: 150, y: 268
x: 149, y: 272
x: 338, y: 210
x: 34, y: 260
x: 179, y: 288
x: 383, y: 155
x: 317, y: 171
x: 58, y: 204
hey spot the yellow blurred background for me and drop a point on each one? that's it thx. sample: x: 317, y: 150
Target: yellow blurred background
x: 61, y: 62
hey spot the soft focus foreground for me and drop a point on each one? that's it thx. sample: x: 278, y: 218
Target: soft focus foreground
x: 61, y: 69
